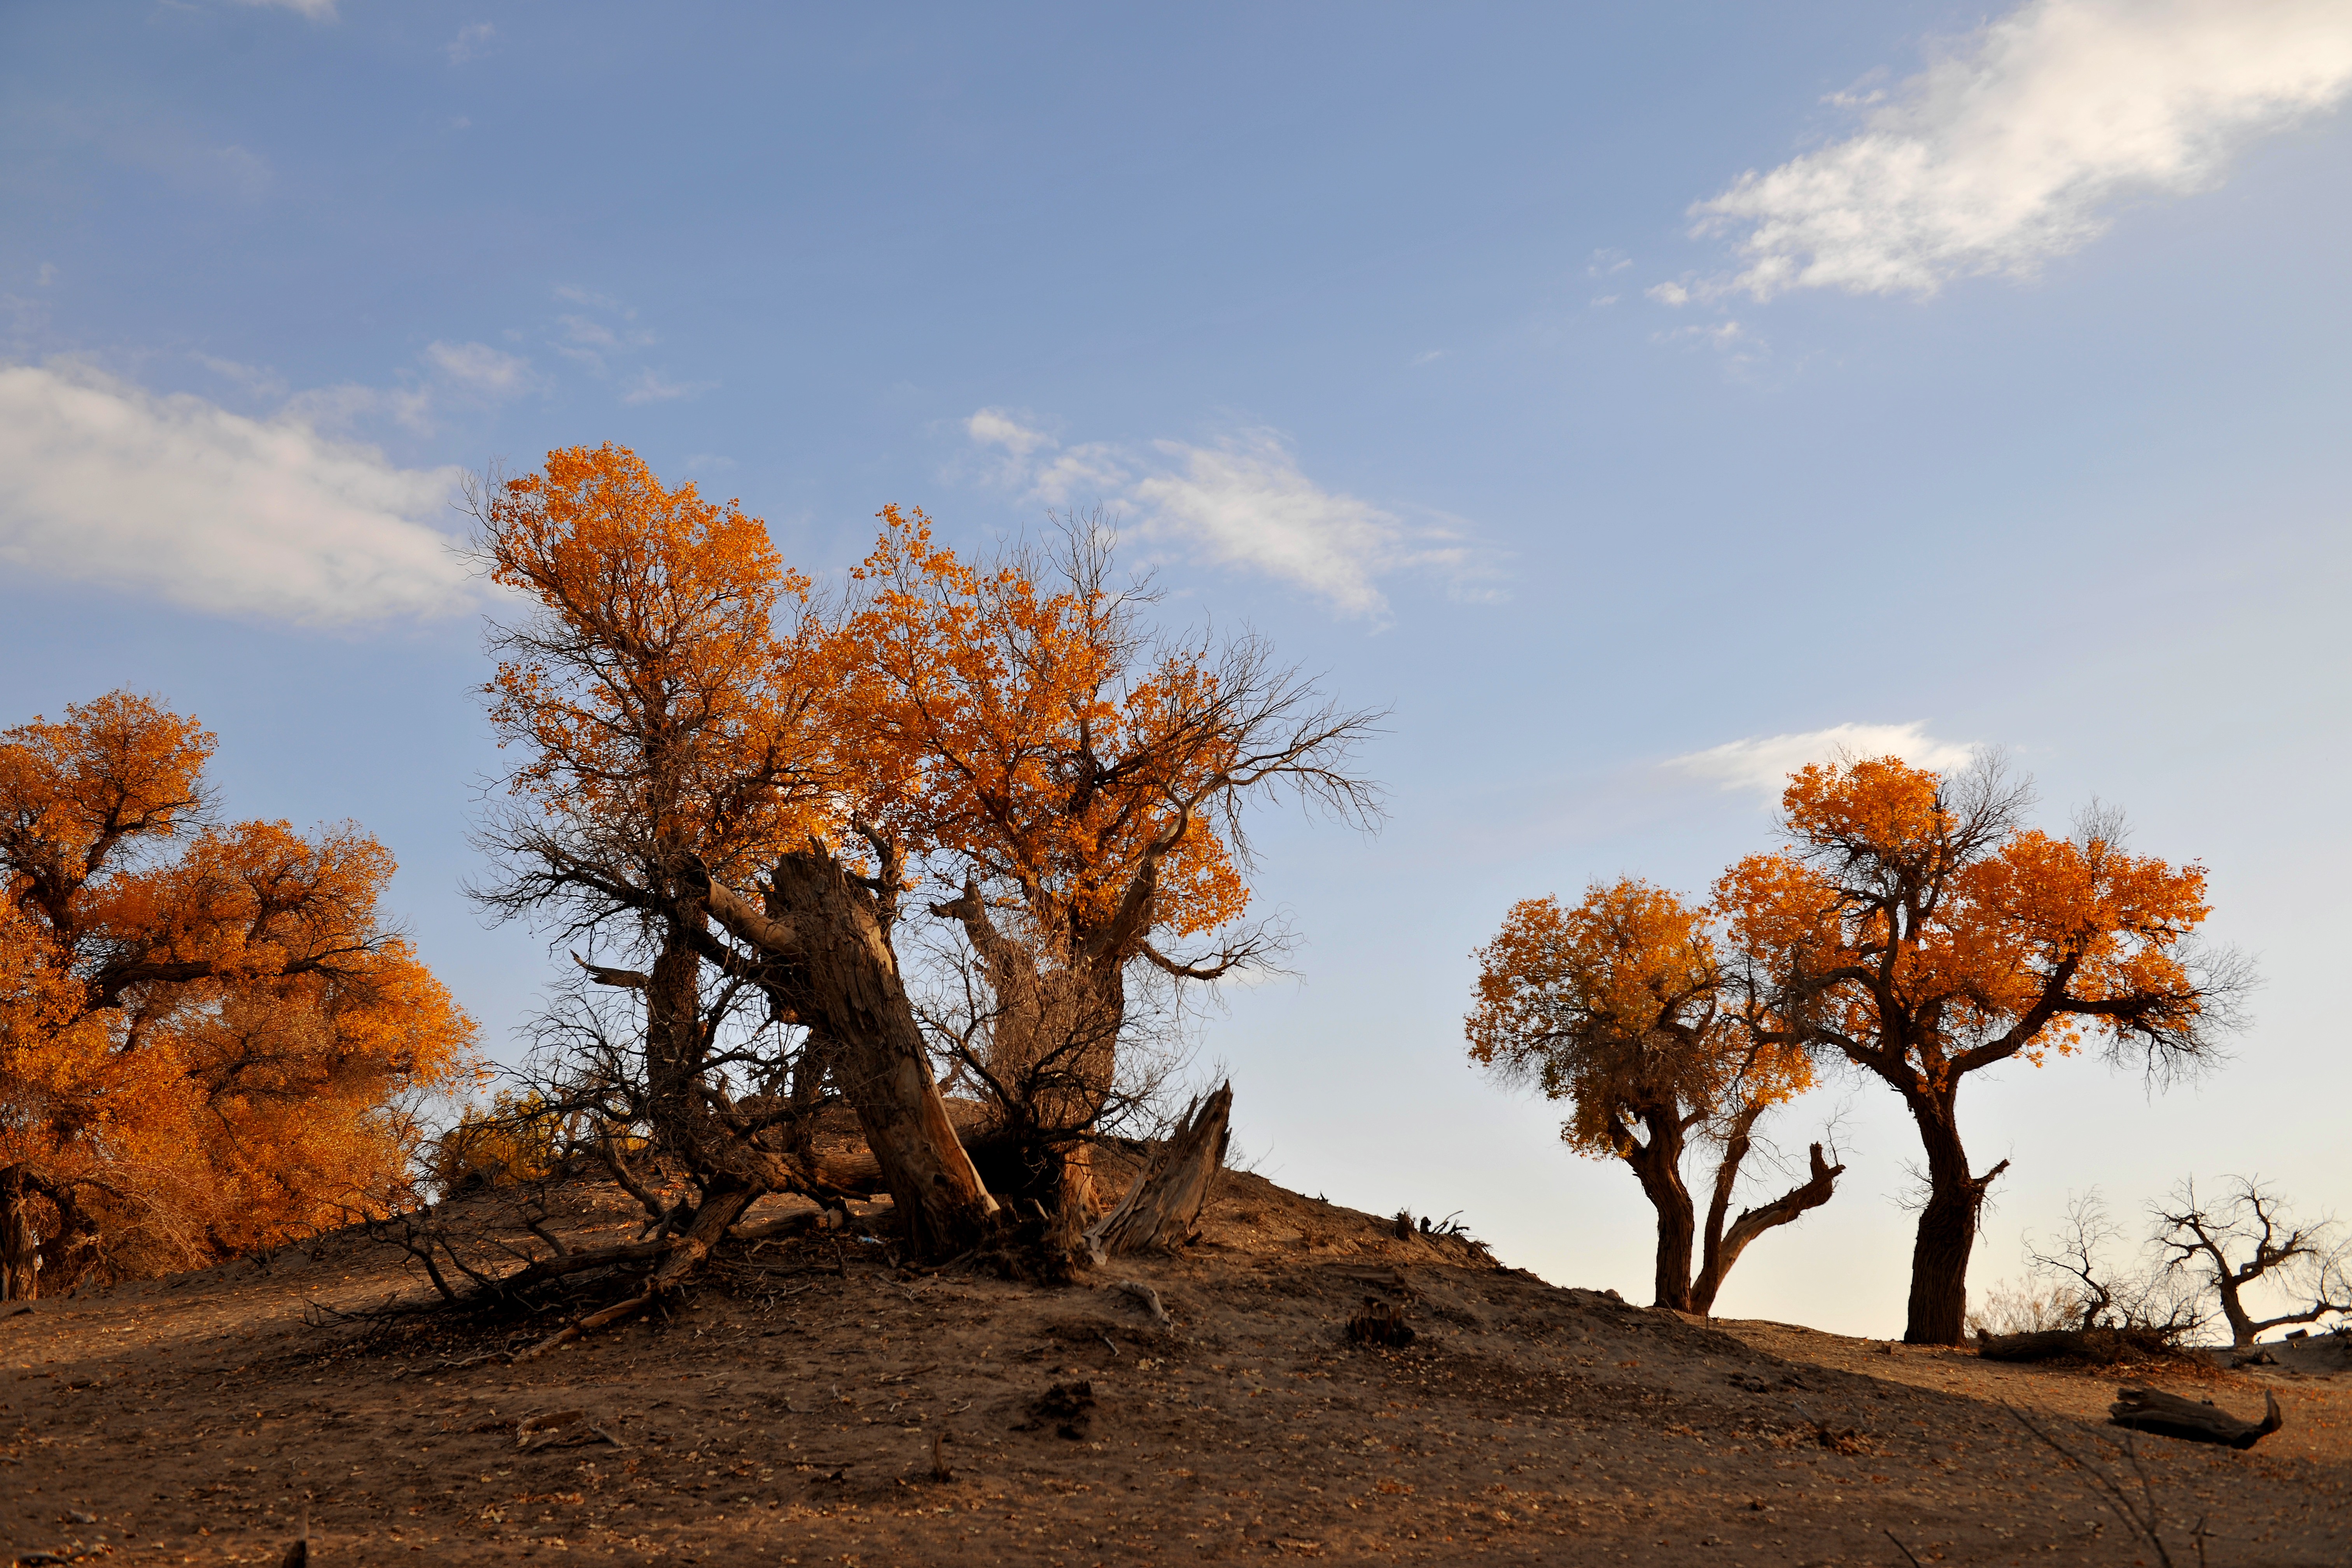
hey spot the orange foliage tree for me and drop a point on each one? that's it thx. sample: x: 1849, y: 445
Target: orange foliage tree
x: 661, y: 693
x: 718, y: 776
x: 1078, y: 783
x: 657, y: 696
x: 1621, y: 1007
x: 1916, y: 926
x: 206, y: 1031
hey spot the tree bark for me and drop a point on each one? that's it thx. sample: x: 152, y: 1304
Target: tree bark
x: 1658, y: 1164
x: 674, y: 1043
x: 1160, y: 1209
x: 20, y: 1245
x: 1723, y: 1247
x: 1948, y: 1227
x: 845, y: 977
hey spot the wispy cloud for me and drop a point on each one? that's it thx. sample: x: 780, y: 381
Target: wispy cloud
x: 2015, y: 143
x: 174, y: 497
x: 317, y: 10
x: 470, y: 42
x: 1242, y: 501
x: 1764, y: 763
x: 652, y: 386
x: 480, y: 368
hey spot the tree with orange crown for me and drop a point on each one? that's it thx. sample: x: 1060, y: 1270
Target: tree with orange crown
x: 663, y: 691
x: 1079, y: 786
x: 718, y: 778
x: 1918, y: 927
x: 1621, y: 1007
x: 206, y: 1031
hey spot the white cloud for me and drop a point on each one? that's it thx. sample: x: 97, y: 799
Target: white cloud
x: 469, y: 42
x: 996, y: 428
x: 480, y: 368
x: 2010, y: 148
x: 175, y: 497
x: 1668, y: 293
x: 1243, y: 502
x: 1765, y: 763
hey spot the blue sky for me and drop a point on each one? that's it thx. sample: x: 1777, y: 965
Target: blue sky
x: 1632, y: 398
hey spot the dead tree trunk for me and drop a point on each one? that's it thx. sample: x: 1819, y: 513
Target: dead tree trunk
x: 1160, y: 1209
x: 844, y: 979
x: 2169, y: 1415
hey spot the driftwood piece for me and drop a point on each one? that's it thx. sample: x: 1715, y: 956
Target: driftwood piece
x: 2169, y: 1415
x: 1160, y: 1210
x: 1145, y: 1297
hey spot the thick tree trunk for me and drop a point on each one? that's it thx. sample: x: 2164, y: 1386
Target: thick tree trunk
x: 1948, y: 1227
x: 1724, y: 1246
x: 2233, y: 1311
x: 674, y: 1045
x: 1160, y: 1209
x: 847, y: 983
x: 20, y: 1245
x: 1659, y: 1163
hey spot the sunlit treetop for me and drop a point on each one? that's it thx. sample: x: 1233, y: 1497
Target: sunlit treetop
x: 661, y: 686
x: 1903, y: 895
x: 1617, y: 1004
x: 1016, y: 719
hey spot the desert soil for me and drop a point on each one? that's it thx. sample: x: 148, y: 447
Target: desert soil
x: 814, y: 1404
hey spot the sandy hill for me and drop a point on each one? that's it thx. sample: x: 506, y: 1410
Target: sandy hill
x: 811, y: 1402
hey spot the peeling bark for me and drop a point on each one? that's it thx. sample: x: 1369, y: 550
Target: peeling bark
x: 1160, y: 1209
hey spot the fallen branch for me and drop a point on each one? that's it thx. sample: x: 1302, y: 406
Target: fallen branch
x: 2169, y: 1415
x: 1145, y: 1297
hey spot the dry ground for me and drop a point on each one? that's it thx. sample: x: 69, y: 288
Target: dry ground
x: 788, y: 1413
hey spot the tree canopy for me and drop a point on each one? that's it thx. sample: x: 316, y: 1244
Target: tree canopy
x: 1919, y: 927
x: 207, y: 1031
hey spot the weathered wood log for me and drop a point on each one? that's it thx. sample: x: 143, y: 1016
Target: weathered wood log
x: 1160, y: 1210
x: 2169, y: 1415
x: 2100, y: 1347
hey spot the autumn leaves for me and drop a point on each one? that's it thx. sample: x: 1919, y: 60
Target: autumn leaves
x: 1913, y: 928
x: 203, y: 1026
x: 740, y: 785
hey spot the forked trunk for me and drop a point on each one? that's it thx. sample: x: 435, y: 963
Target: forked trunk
x: 1724, y: 1245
